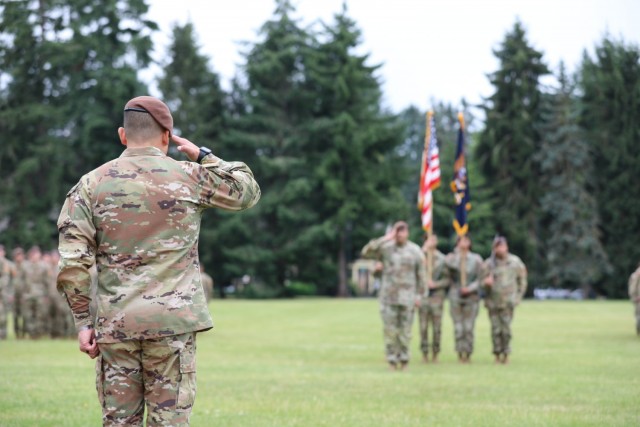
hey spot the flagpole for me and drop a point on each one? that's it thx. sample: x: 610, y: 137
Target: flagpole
x: 463, y: 260
x: 427, y: 140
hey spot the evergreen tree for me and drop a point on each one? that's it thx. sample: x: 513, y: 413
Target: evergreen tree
x: 356, y: 170
x: 574, y: 255
x: 192, y: 91
x: 610, y: 108
x: 268, y: 133
x: 509, y: 142
x: 67, y: 69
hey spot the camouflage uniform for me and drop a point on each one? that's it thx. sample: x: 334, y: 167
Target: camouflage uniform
x: 464, y: 309
x: 403, y: 279
x: 634, y: 295
x: 430, y: 311
x: 5, y: 295
x: 19, y: 307
x: 60, y: 318
x: 36, y: 299
x: 207, y: 285
x: 138, y: 218
x: 509, y: 286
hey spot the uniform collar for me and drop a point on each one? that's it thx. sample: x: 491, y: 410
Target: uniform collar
x: 142, y: 151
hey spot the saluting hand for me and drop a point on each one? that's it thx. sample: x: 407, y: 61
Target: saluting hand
x: 187, y: 147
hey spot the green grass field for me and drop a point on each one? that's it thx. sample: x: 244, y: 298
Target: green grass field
x: 319, y: 362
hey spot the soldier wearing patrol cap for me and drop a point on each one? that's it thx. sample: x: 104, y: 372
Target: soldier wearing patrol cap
x: 138, y: 218
x: 505, y: 282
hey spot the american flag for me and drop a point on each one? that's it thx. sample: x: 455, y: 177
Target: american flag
x: 429, y: 173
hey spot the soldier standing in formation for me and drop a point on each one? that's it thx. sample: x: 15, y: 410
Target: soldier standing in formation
x: 138, y: 217
x: 634, y: 295
x: 207, y: 283
x: 19, y: 285
x: 505, y: 284
x: 430, y: 312
x: 36, y: 295
x: 6, y: 270
x: 403, y: 284
x: 464, y: 268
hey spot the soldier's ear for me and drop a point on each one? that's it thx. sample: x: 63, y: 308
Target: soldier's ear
x: 123, y: 136
x: 166, y: 137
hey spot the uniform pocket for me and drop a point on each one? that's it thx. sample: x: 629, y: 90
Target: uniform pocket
x: 187, y: 379
x: 100, y: 380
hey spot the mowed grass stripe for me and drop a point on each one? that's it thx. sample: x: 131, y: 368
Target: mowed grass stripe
x: 319, y: 362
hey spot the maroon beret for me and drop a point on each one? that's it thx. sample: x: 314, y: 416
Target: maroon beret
x: 158, y: 110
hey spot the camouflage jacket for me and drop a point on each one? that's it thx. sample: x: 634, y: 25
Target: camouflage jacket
x: 5, y: 280
x: 634, y: 286
x: 440, y: 278
x: 138, y: 218
x: 35, y: 279
x: 473, y: 267
x: 509, y: 281
x: 403, y: 276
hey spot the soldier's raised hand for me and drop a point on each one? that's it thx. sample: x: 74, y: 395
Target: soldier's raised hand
x: 187, y: 147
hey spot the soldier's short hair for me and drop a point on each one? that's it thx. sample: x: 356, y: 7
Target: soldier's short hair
x: 140, y: 126
x: 498, y: 240
x: 401, y: 225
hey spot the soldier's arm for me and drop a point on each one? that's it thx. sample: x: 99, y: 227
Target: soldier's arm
x: 475, y: 285
x: 373, y: 249
x: 444, y: 278
x: 421, y: 275
x: 227, y: 185
x: 522, y: 281
x: 634, y: 287
x: 77, y: 249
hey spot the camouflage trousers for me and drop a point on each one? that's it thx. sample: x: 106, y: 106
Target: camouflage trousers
x: 464, y: 319
x: 397, y: 321
x: 638, y: 318
x: 501, y: 329
x: 18, y: 319
x: 160, y: 373
x: 430, y: 314
x: 35, y: 316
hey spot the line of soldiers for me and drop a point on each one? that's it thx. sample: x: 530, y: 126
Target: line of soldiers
x: 28, y: 293
x: 425, y: 277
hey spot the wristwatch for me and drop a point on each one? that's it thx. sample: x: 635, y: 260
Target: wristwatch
x: 203, y: 152
x: 85, y: 327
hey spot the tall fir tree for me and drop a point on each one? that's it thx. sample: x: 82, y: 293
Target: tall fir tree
x: 67, y: 68
x: 192, y: 91
x: 507, y: 146
x: 356, y: 171
x: 574, y: 255
x: 267, y: 132
x: 610, y: 108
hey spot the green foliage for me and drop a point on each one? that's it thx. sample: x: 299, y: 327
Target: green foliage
x: 610, y: 107
x: 574, y: 255
x: 508, y: 144
x: 68, y: 67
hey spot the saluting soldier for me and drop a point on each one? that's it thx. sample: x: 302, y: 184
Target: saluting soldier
x: 403, y: 283
x: 634, y: 295
x: 465, y: 269
x: 505, y: 284
x: 430, y: 312
x: 138, y: 218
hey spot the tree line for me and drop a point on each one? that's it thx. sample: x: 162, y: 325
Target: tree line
x: 552, y: 167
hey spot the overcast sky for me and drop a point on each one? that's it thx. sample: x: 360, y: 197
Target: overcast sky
x: 430, y: 49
